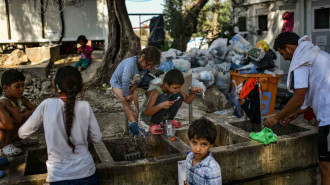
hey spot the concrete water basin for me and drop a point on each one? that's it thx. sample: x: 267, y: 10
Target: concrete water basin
x: 224, y: 136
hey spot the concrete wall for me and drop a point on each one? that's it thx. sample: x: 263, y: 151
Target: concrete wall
x: 89, y: 19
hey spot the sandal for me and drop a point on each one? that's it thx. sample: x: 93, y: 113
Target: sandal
x: 134, y: 128
x: 156, y: 130
x: 2, y: 173
x: 176, y: 124
x: 142, y: 132
x: 11, y: 150
x: 3, y: 161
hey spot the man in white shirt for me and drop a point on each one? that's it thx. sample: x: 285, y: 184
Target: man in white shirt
x: 309, y: 79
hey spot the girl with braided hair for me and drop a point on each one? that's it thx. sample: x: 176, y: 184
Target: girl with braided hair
x: 67, y: 123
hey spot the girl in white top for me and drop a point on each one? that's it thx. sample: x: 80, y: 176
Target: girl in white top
x: 67, y: 124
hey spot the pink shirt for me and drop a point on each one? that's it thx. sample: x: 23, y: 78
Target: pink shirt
x: 84, y: 55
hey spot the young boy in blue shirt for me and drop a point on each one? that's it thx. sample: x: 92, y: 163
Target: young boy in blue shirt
x: 201, y: 167
x: 165, y: 100
x: 126, y: 78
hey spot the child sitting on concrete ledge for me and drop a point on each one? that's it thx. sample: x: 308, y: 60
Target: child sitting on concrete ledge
x: 165, y: 100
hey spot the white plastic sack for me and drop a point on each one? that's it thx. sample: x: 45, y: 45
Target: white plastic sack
x: 207, y: 78
x: 182, y: 64
x: 177, y: 52
x: 196, y: 83
x: 196, y: 70
x: 155, y: 81
x: 218, y: 48
x: 222, y: 81
x: 212, y: 67
x: 202, y: 52
x: 224, y: 67
x: 167, y: 56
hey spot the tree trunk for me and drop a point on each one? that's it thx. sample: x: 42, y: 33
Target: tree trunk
x: 190, y: 21
x: 123, y: 42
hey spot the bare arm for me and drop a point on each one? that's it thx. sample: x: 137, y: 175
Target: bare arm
x: 14, y: 113
x: 6, y: 122
x: 151, y: 109
x: 291, y: 107
x: 188, y: 99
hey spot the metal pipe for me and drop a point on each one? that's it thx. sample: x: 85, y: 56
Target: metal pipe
x: 8, y: 20
x: 42, y: 18
x: 190, y: 113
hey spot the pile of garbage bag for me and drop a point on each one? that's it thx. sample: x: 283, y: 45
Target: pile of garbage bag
x: 213, y: 66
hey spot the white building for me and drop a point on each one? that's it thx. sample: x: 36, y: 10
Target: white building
x: 37, y: 21
x: 263, y: 20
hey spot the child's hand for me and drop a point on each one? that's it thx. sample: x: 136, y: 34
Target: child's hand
x: 195, y: 90
x: 166, y: 104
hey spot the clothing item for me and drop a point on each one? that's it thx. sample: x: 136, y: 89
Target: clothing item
x: 20, y: 106
x: 311, y: 69
x: 206, y: 172
x: 62, y: 164
x: 323, y: 145
x: 265, y: 136
x: 125, y: 72
x: 251, y: 106
x: 83, y: 62
x: 288, y: 21
x: 84, y: 55
x: 92, y: 180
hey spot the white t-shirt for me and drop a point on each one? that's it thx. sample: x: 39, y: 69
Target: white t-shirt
x: 316, y: 79
x: 62, y: 164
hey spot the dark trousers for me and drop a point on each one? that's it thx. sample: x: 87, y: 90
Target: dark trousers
x: 91, y: 180
x: 167, y: 113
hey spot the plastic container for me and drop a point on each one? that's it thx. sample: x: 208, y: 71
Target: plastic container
x: 268, y: 86
x: 168, y: 129
x: 239, y: 43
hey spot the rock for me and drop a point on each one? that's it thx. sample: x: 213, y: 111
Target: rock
x: 17, y: 57
x: 46, y: 85
x: 3, y: 58
x: 28, y: 79
x: 36, y: 91
x: 214, y: 101
x: 39, y: 55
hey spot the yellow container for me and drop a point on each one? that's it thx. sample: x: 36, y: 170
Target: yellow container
x: 268, y: 87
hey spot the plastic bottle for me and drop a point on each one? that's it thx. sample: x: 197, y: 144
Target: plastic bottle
x: 168, y: 129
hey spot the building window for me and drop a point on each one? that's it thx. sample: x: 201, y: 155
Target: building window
x: 321, y: 18
x: 242, y: 24
x: 263, y: 22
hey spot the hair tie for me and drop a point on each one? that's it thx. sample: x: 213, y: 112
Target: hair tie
x: 58, y: 89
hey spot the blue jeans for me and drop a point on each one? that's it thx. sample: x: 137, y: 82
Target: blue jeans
x: 91, y: 180
x: 167, y: 113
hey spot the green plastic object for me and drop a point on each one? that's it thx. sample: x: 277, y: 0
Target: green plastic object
x: 265, y: 136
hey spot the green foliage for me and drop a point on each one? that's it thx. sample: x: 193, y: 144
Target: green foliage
x: 173, y: 9
x: 223, y: 27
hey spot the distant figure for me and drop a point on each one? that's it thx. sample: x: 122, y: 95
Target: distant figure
x: 85, y: 53
x: 201, y: 167
x: 18, y: 107
x: 126, y: 78
x: 67, y: 123
x: 165, y: 101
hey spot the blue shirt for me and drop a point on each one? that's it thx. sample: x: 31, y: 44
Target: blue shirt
x: 124, y: 74
x: 206, y: 172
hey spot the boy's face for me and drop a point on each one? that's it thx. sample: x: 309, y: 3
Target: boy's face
x: 82, y: 43
x: 143, y: 63
x: 15, y: 90
x: 174, y: 88
x: 200, y: 148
